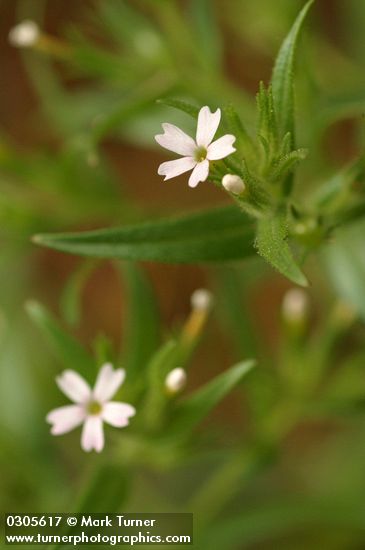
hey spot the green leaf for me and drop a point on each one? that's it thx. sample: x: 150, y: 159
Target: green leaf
x: 161, y: 363
x: 106, y: 489
x: 267, y: 125
x: 338, y: 107
x: 282, y: 77
x: 233, y: 292
x: 103, y: 349
x: 287, y: 164
x: 127, y: 109
x: 180, y: 106
x: 141, y: 334
x: 346, y: 388
x: 67, y: 350
x: 351, y: 214
x: 71, y: 296
x: 258, y: 199
x: 194, y: 408
x: 272, y: 245
x: 345, y: 262
x: 123, y: 23
x: 274, y: 519
x: 333, y: 193
x: 223, y: 234
x: 94, y: 62
x: 206, y: 30
x: 237, y: 128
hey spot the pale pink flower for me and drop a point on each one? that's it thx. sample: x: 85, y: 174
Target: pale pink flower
x: 91, y: 407
x: 197, y: 154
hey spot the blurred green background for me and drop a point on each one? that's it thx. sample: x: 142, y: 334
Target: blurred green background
x: 280, y: 462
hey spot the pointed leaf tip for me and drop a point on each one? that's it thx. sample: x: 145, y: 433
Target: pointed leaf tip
x: 217, y: 235
x: 195, y: 407
x: 282, y: 77
x: 272, y: 245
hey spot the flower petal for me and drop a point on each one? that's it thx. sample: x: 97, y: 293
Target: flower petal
x: 207, y: 126
x: 65, y: 419
x: 200, y: 173
x: 118, y: 414
x: 174, y: 168
x: 107, y: 382
x: 176, y: 140
x: 92, y: 436
x: 74, y: 386
x: 221, y: 148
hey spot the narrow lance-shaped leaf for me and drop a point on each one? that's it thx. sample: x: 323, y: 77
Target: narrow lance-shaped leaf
x: 338, y: 107
x: 67, y: 350
x: 222, y: 234
x: 333, y: 193
x: 106, y: 489
x: 161, y: 363
x: 72, y: 293
x: 282, y: 77
x: 272, y: 245
x: 233, y: 292
x: 204, y: 21
x: 141, y: 333
x: 124, y: 111
x: 267, y: 126
x: 193, y: 409
x: 287, y: 164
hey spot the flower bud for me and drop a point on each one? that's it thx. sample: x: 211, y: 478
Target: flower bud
x: 201, y: 299
x: 176, y: 380
x: 295, y: 305
x: 233, y: 184
x: 24, y: 35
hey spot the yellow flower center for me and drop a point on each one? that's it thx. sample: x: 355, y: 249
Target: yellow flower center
x: 200, y: 154
x: 94, y: 407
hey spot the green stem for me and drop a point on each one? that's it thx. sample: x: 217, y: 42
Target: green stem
x: 225, y: 483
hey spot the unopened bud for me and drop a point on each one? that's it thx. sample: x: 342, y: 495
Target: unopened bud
x: 305, y: 227
x: 175, y: 380
x: 295, y: 305
x: 24, y: 35
x: 201, y: 299
x: 233, y: 184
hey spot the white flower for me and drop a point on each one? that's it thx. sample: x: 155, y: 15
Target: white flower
x: 175, y: 380
x: 92, y: 407
x: 24, y: 35
x: 201, y: 299
x: 233, y: 184
x: 195, y: 154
